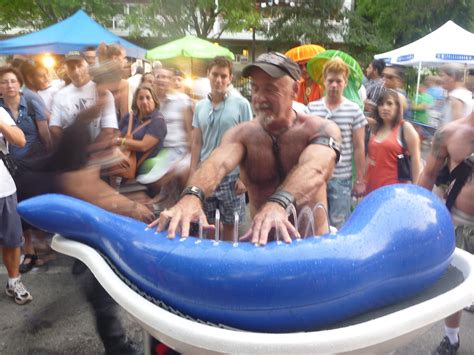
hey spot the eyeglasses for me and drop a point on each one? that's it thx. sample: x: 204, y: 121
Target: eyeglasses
x: 390, y: 76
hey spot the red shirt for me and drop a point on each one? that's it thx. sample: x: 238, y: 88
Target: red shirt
x: 382, y: 168
x: 308, y: 94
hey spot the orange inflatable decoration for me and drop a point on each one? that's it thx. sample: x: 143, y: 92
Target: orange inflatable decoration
x: 304, y: 52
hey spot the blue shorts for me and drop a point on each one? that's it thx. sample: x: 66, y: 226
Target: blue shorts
x: 11, y: 234
x: 225, y: 199
x: 339, y: 201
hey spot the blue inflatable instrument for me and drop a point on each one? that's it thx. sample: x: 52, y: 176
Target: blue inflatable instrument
x: 398, y: 242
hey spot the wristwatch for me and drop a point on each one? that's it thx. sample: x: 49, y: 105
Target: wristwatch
x: 195, y: 191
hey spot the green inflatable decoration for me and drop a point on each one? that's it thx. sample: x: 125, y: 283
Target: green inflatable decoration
x: 315, y: 70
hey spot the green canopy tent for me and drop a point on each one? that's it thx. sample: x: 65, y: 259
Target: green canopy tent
x: 188, y: 52
x: 188, y: 47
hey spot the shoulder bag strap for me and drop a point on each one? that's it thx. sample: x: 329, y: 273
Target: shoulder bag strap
x: 143, y: 125
x: 144, y: 157
x: 402, y: 137
x: 130, y: 133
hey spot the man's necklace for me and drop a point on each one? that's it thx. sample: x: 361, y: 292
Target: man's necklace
x: 276, y: 149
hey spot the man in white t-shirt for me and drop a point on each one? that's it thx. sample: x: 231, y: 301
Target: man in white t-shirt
x: 11, y: 235
x: 459, y: 102
x: 84, y: 100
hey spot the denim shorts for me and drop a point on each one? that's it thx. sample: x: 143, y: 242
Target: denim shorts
x: 11, y: 234
x: 225, y: 199
x: 339, y: 201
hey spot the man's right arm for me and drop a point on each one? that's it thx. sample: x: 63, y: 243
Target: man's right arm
x: 189, y: 208
x: 435, y: 160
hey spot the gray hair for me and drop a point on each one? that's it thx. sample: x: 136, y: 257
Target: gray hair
x: 454, y: 70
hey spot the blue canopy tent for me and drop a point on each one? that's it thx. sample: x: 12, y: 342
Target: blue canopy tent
x: 74, y: 33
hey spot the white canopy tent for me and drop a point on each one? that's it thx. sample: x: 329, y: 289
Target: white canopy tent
x: 448, y: 44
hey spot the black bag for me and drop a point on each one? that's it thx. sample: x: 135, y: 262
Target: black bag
x: 404, y: 160
x: 9, y: 163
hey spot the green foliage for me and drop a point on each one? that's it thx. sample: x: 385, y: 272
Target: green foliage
x: 36, y: 14
x: 311, y: 21
x: 176, y: 18
x: 397, y: 23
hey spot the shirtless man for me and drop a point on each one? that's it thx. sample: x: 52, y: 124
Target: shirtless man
x: 454, y: 143
x: 284, y: 157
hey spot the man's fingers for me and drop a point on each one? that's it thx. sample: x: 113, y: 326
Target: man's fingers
x: 284, y: 232
x: 185, y: 222
x: 291, y: 229
x: 152, y: 224
x: 175, y: 220
x: 256, y: 226
x: 165, y: 216
x: 264, y: 230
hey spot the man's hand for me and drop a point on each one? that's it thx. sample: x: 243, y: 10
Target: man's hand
x: 359, y: 188
x: 142, y: 213
x: 240, y: 187
x: 272, y: 215
x: 187, y: 210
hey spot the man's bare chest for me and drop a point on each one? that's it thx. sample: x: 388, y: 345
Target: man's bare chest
x: 269, y: 159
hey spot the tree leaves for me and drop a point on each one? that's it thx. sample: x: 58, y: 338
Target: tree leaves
x: 37, y: 14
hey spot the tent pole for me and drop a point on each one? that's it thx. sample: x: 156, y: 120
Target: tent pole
x: 418, y: 83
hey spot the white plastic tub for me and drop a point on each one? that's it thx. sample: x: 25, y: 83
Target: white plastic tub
x: 380, y: 331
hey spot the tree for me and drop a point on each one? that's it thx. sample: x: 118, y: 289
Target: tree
x: 309, y: 21
x: 387, y: 27
x: 36, y: 14
x: 176, y: 18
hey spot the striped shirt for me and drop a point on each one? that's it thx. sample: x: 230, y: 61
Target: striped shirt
x: 374, y: 89
x: 348, y: 117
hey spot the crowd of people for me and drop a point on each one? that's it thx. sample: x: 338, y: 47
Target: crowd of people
x: 216, y: 151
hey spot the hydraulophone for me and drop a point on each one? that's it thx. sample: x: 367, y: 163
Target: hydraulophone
x: 398, y: 241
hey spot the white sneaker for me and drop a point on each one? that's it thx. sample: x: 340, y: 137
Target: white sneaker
x: 19, y: 293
